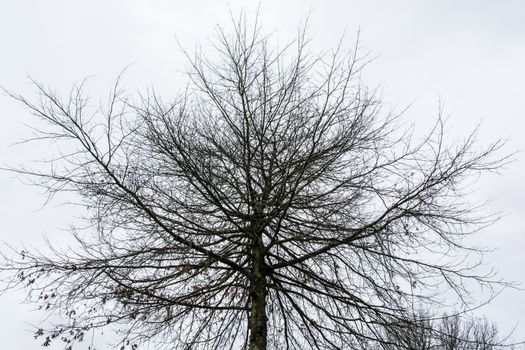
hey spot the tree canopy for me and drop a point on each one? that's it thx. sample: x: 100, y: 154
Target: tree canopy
x: 273, y: 204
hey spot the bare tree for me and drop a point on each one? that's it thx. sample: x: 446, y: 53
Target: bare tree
x: 471, y: 334
x: 422, y: 331
x: 271, y: 205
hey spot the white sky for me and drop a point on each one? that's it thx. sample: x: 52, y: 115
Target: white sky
x: 470, y: 54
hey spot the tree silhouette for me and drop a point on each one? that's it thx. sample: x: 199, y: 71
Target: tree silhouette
x: 270, y: 205
x: 422, y: 331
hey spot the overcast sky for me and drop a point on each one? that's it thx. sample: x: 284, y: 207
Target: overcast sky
x: 468, y: 54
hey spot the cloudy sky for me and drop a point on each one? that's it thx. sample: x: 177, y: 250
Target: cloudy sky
x: 469, y: 54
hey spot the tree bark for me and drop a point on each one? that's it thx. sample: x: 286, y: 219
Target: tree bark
x: 258, y: 321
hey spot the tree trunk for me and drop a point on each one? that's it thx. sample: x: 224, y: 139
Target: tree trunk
x: 258, y: 322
